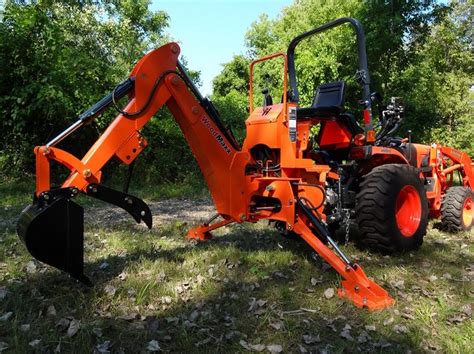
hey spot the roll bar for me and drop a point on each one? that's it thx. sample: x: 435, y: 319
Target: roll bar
x: 362, y: 73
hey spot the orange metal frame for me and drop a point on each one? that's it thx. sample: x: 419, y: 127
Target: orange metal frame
x: 224, y: 168
x: 285, y: 76
x: 440, y: 161
x: 444, y: 162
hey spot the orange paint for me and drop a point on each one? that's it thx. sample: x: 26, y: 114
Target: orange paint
x: 243, y: 187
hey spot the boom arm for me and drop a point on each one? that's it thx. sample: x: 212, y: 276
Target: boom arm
x: 156, y: 83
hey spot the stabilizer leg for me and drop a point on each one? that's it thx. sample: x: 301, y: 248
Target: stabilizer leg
x: 202, y: 232
x: 356, y: 287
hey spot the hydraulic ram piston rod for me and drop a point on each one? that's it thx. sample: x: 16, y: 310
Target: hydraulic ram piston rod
x: 120, y: 91
x: 323, y: 232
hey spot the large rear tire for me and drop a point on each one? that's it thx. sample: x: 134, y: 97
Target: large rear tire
x: 392, y: 209
x: 457, y: 209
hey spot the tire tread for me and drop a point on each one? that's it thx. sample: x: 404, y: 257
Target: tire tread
x: 452, y: 208
x: 371, y: 202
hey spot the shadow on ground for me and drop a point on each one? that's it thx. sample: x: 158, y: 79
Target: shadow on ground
x: 224, y: 311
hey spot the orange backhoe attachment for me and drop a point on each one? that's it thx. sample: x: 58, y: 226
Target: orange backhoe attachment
x: 269, y: 177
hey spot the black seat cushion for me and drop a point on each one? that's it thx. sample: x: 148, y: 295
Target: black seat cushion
x: 328, y: 104
x: 313, y: 112
x: 328, y: 101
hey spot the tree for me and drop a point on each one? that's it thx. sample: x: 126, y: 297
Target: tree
x: 58, y: 58
x: 233, y: 77
x: 438, y: 83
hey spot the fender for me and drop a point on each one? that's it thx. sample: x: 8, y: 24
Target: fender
x: 373, y: 156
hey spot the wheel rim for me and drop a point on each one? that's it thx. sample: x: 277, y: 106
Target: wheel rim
x: 467, y: 212
x: 408, y: 211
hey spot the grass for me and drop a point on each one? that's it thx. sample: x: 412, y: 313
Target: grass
x: 19, y: 192
x: 204, y: 297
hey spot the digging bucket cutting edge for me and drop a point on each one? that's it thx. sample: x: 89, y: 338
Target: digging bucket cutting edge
x: 53, y: 231
x: 52, y: 228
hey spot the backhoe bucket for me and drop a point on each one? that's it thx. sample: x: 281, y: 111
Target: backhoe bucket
x: 54, y: 234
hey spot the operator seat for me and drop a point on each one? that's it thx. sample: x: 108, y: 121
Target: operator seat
x: 337, y: 128
x: 328, y: 101
x: 328, y: 104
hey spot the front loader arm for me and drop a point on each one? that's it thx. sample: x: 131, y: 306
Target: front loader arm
x: 461, y: 162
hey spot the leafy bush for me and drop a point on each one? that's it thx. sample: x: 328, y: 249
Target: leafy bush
x: 57, y: 59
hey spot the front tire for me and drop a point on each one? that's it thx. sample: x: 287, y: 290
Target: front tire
x: 457, y: 209
x: 392, y: 209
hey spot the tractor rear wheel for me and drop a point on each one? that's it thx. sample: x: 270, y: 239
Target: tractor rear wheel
x: 392, y: 209
x: 457, y: 209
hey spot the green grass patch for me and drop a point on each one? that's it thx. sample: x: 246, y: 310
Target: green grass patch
x: 16, y: 192
x: 19, y: 192
x: 246, y: 286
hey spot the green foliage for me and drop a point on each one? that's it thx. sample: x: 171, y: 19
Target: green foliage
x: 234, y: 108
x: 230, y: 94
x: 234, y: 76
x: 394, y: 31
x: 317, y: 59
x: 57, y: 59
x: 419, y: 50
x: 438, y: 83
x: 168, y: 157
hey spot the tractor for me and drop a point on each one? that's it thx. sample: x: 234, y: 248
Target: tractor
x: 303, y: 184
x: 388, y: 186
